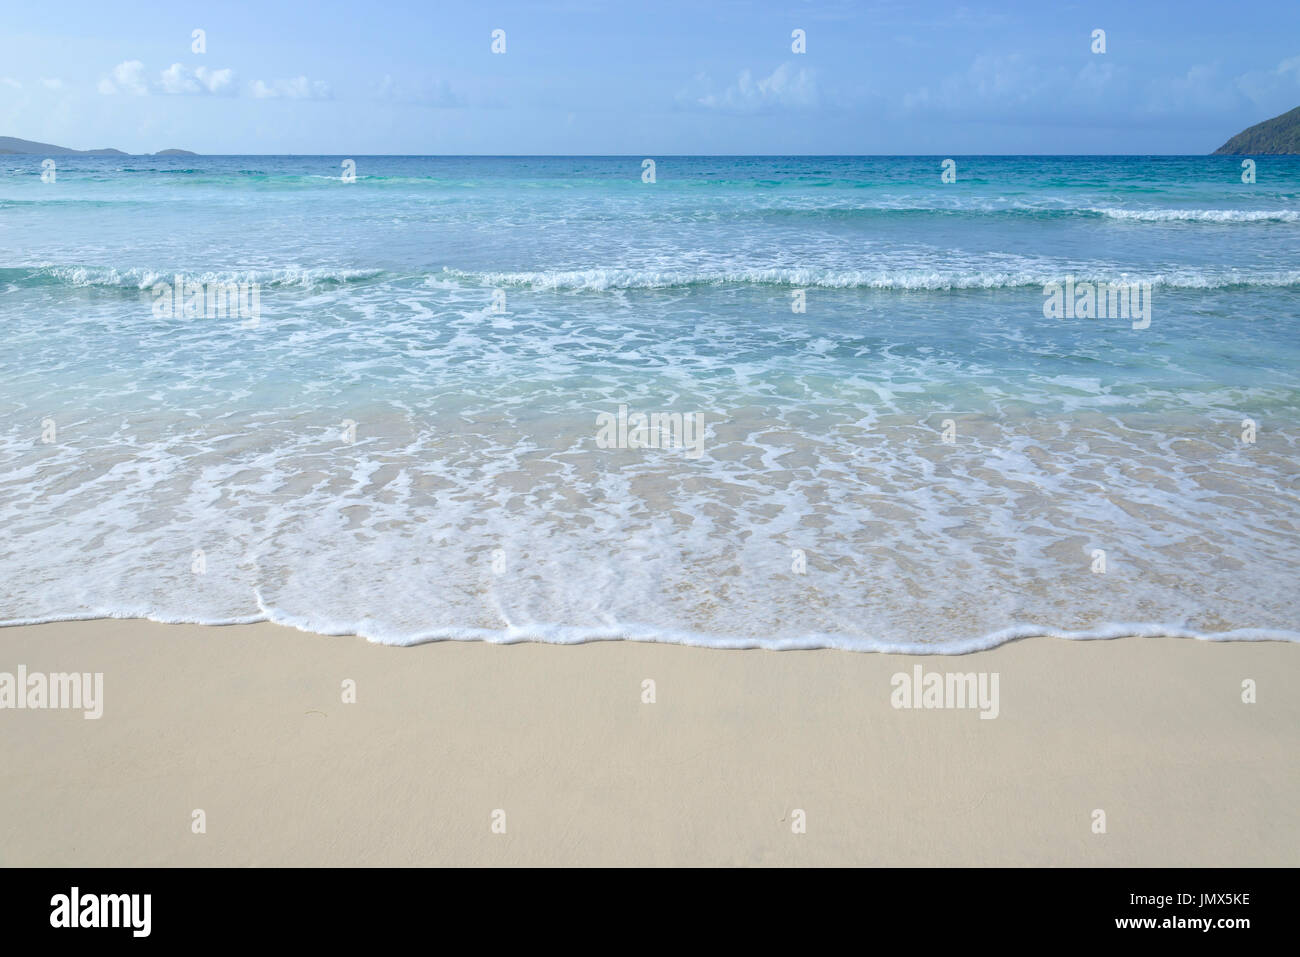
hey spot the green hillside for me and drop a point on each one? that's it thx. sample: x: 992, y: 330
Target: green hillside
x: 1281, y: 134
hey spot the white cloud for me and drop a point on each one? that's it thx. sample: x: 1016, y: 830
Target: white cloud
x: 52, y: 84
x: 424, y: 93
x: 784, y: 87
x: 1015, y: 88
x: 1005, y: 80
x: 10, y: 81
x: 178, y: 79
x: 127, y: 77
x: 1202, y: 88
x: 1290, y: 65
x: 297, y: 88
x: 1275, y: 86
x: 1095, y: 76
x: 1205, y: 88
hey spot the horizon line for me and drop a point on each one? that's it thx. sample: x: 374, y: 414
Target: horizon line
x: 160, y: 154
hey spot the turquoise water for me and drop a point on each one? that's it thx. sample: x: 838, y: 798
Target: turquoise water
x: 403, y: 443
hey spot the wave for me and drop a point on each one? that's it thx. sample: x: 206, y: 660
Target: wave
x: 920, y: 280
x: 74, y: 201
x: 1031, y: 212
x: 1200, y: 215
x: 573, y: 635
x: 901, y: 207
x: 140, y: 279
x: 600, y: 279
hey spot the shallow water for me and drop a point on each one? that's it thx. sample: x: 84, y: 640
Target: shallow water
x: 385, y: 452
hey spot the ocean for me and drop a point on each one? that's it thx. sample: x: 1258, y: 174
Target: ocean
x: 778, y: 402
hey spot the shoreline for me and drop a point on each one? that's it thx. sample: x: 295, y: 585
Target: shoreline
x: 565, y: 635
x: 247, y: 724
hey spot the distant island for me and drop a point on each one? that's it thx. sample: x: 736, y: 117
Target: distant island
x: 13, y: 146
x: 1281, y: 134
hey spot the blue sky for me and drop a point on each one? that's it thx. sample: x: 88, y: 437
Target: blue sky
x: 653, y: 78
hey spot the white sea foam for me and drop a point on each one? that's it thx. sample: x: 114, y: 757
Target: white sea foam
x: 1202, y: 215
x: 911, y: 546
x: 136, y: 277
x: 475, y: 429
x: 930, y: 279
x: 570, y: 635
x: 904, y: 280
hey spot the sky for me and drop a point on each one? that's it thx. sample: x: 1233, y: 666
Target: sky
x: 659, y: 77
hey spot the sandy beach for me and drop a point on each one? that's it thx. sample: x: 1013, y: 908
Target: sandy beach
x: 447, y: 744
